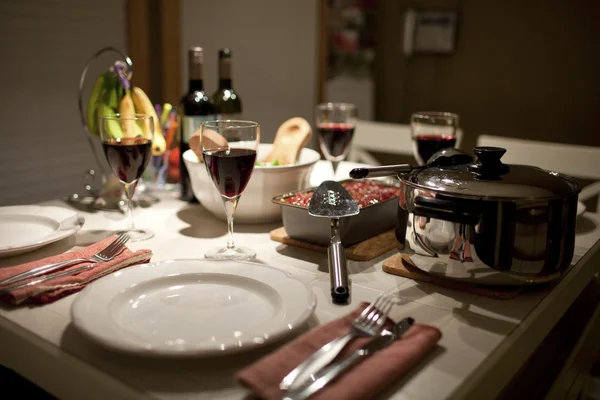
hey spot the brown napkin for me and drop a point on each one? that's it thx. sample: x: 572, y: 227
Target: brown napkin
x: 54, y: 289
x: 363, y: 381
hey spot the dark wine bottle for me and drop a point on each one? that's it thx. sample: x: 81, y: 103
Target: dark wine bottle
x: 227, y: 102
x: 195, y: 107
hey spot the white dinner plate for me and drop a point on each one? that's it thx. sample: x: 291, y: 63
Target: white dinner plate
x: 192, y: 307
x: 27, y: 228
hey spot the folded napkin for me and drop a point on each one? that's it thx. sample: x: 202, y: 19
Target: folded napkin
x: 54, y: 289
x: 363, y: 381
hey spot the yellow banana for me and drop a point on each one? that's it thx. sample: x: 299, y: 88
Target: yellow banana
x: 127, y: 109
x: 107, y: 105
x: 104, y: 101
x: 143, y: 105
x: 92, y: 108
x: 111, y: 126
x: 112, y: 91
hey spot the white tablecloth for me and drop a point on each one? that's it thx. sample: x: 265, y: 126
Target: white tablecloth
x: 483, y: 339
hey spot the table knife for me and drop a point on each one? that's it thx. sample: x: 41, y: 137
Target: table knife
x: 330, y: 373
x: 19, y: 285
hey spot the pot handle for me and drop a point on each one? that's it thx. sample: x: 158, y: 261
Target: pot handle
x: 381, y: 171
x: 446, y: 210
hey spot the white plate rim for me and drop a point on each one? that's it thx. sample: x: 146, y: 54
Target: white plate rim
x: 78, y: 322
x: 67, y: 227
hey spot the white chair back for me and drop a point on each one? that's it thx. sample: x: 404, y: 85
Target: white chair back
x: 383, y: 137
x: 575, y: 160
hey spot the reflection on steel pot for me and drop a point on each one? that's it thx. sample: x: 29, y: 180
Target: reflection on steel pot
x: 517, y: 219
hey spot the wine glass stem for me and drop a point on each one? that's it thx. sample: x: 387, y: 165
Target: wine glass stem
x: 129, y: 190
x: 230, y: 206
x: 334, y: 165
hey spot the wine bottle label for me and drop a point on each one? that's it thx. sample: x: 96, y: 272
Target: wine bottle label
x: 191, y: 123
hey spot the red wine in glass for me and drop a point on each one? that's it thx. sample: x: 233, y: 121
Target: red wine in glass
x: 335, y: 138
x: 127, y: 157
x: 427, y: 145
x: 230, y: 169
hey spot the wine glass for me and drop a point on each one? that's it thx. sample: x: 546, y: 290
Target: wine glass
x: 127, y: 145
x: 432, y: 132
x: 335, y: 128
x: 229, y: 152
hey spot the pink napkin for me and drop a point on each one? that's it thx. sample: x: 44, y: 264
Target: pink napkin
x: 54, y: 289
x: 363, y: 381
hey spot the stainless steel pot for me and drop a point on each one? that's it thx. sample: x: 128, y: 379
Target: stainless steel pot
x: 517, y: 219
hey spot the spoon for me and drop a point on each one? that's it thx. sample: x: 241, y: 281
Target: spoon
x: 290, y: 138
x: 443, y: 158
x: 332, y: 201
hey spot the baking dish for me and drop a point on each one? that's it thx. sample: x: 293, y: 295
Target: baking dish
x: 372, y: 220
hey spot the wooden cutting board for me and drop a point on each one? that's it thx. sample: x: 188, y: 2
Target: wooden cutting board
x: 402, y: 265
x: 363, y: 251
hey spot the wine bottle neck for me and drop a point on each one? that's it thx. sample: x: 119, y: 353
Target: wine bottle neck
x: 225, y: 83
x: 225, y: 72
x: 195, y: 85
x: 195, y: 64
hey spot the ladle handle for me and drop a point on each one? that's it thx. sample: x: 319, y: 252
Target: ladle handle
x: 338, y: 269
x: 377, y: 172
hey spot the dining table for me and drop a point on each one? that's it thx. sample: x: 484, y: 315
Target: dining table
x: 484, y: 345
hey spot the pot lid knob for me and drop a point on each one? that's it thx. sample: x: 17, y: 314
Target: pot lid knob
x: 488, y: 164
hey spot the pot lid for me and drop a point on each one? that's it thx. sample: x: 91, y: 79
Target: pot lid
x: 487, y: 177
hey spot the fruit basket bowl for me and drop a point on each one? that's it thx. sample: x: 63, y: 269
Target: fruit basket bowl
x: 100, y: 191
x: 111, y: 93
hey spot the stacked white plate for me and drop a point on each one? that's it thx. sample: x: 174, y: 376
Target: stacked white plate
x: 27, y: 228
x: 192, y: 307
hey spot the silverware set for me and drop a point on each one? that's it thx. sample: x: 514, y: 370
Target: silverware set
x: 320, y: 369
x: 46, y: 272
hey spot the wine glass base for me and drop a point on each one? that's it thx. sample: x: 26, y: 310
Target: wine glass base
x: 234, y: 253
x: 137, y: 235
x: 334, y: 169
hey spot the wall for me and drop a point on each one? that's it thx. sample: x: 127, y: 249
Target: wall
x: 45, y: 46
x: 274, y: 45
x: 348, y: 90
x: 526, y: 69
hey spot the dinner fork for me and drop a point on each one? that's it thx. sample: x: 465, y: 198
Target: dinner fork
x: 368, y: 323
x: 106, y: 254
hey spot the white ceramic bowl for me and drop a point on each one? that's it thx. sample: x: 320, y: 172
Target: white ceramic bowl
x: 255, y: 204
